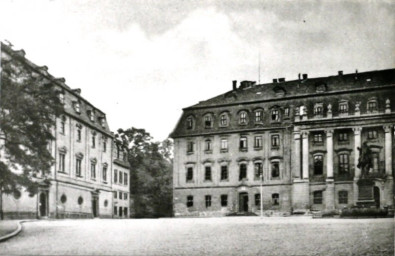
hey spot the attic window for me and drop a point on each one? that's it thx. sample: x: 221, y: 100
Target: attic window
x: 77, y: 107
x: 103, y: 121
x: 279, y: 91
x: 91, y: 115
x: 320, y: 87
x: 61, y: 98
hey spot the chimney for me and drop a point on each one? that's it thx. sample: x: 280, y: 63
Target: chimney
x: 274, y: 81
x: 340, y: 72
x: 78, y: 91
x: 234, y: 83
x: 305, y: 76
x: 299, y: 76
x: 281, y: 80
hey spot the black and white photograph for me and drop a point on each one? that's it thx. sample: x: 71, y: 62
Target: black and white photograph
x: 201, y: 127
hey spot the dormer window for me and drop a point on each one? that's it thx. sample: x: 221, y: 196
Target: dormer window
x: 372, y: 105
x: 190, y: 123
x: 77, y: 107
x: 343, y: 108
x: 243, y: 118
x: 91, y: 115
x: 103, y: 122
x: 208, y: 121
x: 62, y: 98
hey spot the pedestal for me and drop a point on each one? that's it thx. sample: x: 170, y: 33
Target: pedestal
x: 365, y: 193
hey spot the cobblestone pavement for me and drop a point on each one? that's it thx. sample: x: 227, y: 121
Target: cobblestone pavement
x: 208, y: 236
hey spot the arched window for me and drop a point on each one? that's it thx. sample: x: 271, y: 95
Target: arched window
x: 243, y: 118
x: 208, y: 121
x: 275, y: 117
x: 224, y: 120
x: 258, y: 116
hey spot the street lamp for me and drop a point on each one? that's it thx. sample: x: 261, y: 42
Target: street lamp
x: 261, y: 176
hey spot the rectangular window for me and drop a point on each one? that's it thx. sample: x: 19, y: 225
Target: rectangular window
x: 62, y: 162
x: 243, y: 143
x: 189, y: 201
x: 208, y: 201
x: 224, y: 172
x: 343, y: 136
x: 104, y: 173
x: 275, y: 199
x: 243, y: 118
x: 343, y: 197
x: 207, y: 173
x: 120, y: 211
x: 286, y: 112
x: 93, y: 171
x: 189, y: 123
x: 318, y: 164
x: 78, y: 167
x: 120, y: 194
x: 318, y: 138
x: 343, y: 108
x: 125, y: 211
x: 115, y: 176
x: 208, y: 145
x: 190, y: 147
x: 317, y: 197
x: 258, y: 170
x: 125, y: 196
x: 189, y: 174
x: 318, y: 111
x: 372, y: 134
x: 120, y: 177
x: 115, y: 210
x: 115, y: 194
x: 343, y: 163
x: 62, y: 127
x: 79, y: 135
x: 93, y: 141
x: 243, y: 172
x: 224, y: 200
x: 372, y: 106
x: 258, y: 142
x: 275, y: 169
x: 224, y: 145
x: 104, y: 146
x: 257, y: 199
x: 207, y: 122
x: 258, y: 116
x: 275, y: 141
x: 275, y: 115
x: 224, y: 120
x: 125, y: 179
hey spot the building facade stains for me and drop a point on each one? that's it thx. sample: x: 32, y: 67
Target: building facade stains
x: 302, y: 138
x: 81, y: 182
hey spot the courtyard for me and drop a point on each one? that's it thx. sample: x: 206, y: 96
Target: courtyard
x: 204, y: 236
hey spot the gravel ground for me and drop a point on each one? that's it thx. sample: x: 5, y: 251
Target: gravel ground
x: 205, y: 236
x: 7, y: 226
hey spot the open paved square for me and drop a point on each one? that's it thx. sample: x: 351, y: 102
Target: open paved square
x: 205, y: 236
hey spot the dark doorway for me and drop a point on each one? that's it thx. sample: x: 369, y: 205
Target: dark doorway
x: 376, y: 195
x: 94, y: 207
x: 43, y: 205
x: 243, y: 202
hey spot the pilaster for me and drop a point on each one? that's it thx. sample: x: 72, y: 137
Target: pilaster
x: 305, y: 157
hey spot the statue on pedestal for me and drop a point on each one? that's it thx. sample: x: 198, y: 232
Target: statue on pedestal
x: 365, y: 159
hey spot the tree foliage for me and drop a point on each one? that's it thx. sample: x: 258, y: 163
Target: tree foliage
x: 28, y: 106
x: 150, y: 173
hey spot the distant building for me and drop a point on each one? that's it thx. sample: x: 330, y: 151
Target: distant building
x: 302, y: 136
x: 80, y: 184
x: 121, y: 177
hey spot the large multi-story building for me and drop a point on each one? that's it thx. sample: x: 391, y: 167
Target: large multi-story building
x: 80, y: 183
x: 299, y: 139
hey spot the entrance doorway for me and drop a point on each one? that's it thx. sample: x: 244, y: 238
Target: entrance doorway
x: 94, y: 207
x: 43, y: 204
x: 243, y: 202
x: 376, y: 195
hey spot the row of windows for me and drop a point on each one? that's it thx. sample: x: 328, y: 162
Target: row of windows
x: 224, y: 200
x: 243, y: 144
x: 120, y: 211
x: 342, y: 197
x: 120, y: 195
x: 224, y: 174
x: 120, y: 177
x: 243, y: 116
x: 342, y: 136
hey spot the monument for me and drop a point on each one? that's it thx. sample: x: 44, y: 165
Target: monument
x: 365, y: 184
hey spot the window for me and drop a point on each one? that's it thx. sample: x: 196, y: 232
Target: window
x: 125, y: 211
x: 91, y: 115
x: 63, y: 125
x: 258, y: 142
x: 343, y: 108
x: 93, y: 170
x: 189, y: 201
x: 79, y: 135
x: 120, y: 195
x: 258, y: 168
x: 318, y: 110
x: 224, y: 120
x: 208, y: 122
x: 125, y: 196
x: 372, y: 134
x: 115, y: 194
x: 62, y: 157
x: 275, y: 141
x: 258, y: 116
x: 93, y: 141
x: 317, y: 197
x: 115, y: 210
x: 118, y: 152
x: 372, y: 106
x: 343, y: 163
x: 243, y: 143
x: 125, y: 179
x: 61, y: 98
x: 120, y: 177
x: 17, y: 194
x: 286, y: 112
x: 77, y: 107
x: 189, y: 123
x: 318, y: 138
x: 207, y: 173
x: 343, y: 137
x: 207, y: 145
x: 318, y: 165
x: 224, y: 145
x: 78, y: 167
x: 243, y: 172
x: 208, y: 201
x: 104, y: 146
x: 275, y: 169
x: 224, y: 172
x: 343, y: 197
x: 63, y: 198
x: 275, y: 115
x: 189, y: 174
x: 80, y: 200
x: 190, y: 147
x: 275, y: 199
x: 257, y: 199
x: 115, y: 176
x: 104, y: 173
x: 243, y: 118
x: 103, y: 122
x: 120, y: 211
x: 375, y: 162
x: 224, y: 200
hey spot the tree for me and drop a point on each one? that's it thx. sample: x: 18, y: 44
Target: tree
x: 29, y: 104
x: 150, y: 173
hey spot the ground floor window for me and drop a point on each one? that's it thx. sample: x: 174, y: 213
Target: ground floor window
x: 257, y: 199
x: 317, y: 197
x: 120, y: 211
x: 224, y: 200
x: 208, y: 201
x: 275, y: 199
x: 189, y: 201
x: 125, y: 211
x: 343, y: 197
x: 115, y: 210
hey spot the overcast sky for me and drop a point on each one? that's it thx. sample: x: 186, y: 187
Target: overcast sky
x: 141, y: 62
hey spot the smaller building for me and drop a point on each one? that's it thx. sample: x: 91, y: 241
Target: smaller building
x: 120, y: 187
